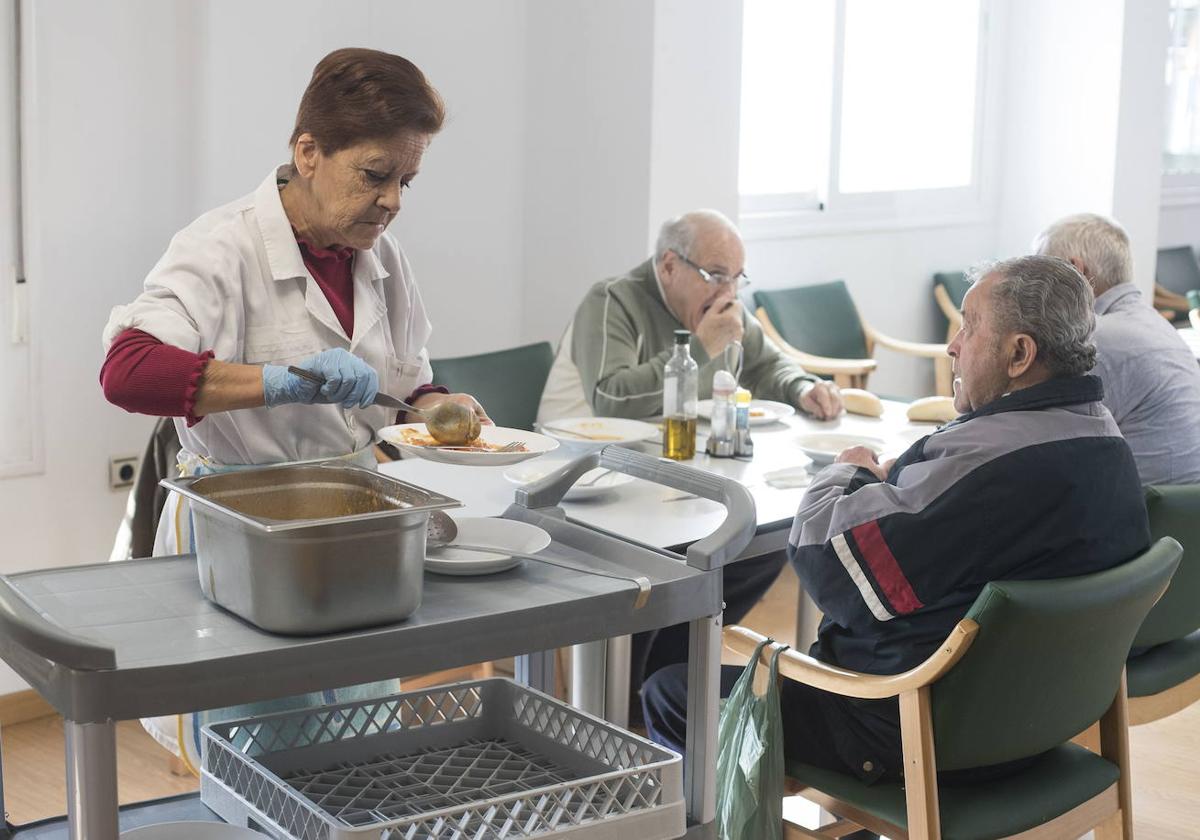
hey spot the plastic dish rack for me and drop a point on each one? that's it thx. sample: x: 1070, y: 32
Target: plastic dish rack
x: 484, y: 760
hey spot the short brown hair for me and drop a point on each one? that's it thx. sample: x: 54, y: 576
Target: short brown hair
x: 359, y: 94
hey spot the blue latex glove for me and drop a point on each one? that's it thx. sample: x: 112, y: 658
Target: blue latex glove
x: 348, y: 380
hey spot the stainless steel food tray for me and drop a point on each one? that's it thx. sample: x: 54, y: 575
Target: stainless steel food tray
x: 310, y: 548
x: 479, y: 759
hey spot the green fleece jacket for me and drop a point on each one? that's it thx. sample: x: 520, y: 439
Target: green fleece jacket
x: 623, y: 336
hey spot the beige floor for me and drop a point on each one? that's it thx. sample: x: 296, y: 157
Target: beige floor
x: 1166, y: 772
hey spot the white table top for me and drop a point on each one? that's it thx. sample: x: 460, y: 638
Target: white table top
x: 660, y: 516
x: 1192, y: 338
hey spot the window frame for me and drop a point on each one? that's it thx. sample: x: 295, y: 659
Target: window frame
x: 829, y: 210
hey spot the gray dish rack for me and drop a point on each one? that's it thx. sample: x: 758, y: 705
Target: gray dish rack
x: 119, y: 641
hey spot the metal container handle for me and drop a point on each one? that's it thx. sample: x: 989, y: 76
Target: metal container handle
x: 21, y: 625
x: 718, y: 548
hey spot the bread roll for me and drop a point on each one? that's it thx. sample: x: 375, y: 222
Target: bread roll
x: 932, y: 410
x: 858, y: 401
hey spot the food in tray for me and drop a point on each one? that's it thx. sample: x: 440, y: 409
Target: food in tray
x: 858, y: 401
x: 412, y: 437
x: 932, y: 410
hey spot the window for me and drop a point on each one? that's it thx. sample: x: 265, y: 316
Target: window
x: 853, y: 108
x: 1181, y: 147
x: 20, y: 445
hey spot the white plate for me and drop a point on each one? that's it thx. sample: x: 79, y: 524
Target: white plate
x: 534, y: 443
x: 190, y: 830
x: 593, y: 483
x: 762, y: 412
x: 596, y: 432
x: 506, y: 535
x: 823, y: 447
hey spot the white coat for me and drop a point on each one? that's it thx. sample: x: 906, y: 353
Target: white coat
x: 234, y: 282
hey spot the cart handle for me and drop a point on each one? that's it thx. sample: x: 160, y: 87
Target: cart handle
x: 712, y: 552
x: 22, y: 628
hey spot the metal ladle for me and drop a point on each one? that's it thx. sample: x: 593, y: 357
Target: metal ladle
x: 442, y: 529
x: 448, y: 422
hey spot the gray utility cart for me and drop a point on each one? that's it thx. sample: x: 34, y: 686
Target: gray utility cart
x: 119, y: 641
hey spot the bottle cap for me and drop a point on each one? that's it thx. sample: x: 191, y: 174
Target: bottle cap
x: 723, y: 383
x: 743, y: 396
x: 682, y: 336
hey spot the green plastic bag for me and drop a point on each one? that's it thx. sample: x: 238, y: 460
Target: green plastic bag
x: 750, y: 758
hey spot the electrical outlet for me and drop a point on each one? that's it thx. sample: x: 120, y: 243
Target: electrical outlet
x: 122, y: 471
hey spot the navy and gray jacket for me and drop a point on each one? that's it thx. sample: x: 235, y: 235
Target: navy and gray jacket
x: 1037, y: 484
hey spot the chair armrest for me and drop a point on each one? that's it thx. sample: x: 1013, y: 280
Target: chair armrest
x: 813, y: 672
x: 952, y: 313
x: 1169, y: 314
x: 911, y: 348
x: 824, y: 365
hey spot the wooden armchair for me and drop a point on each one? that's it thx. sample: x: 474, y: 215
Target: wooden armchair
x: 1164, y: 678
x: 821, y: 328
x: 1176, y: 272
x: 1031, y: 664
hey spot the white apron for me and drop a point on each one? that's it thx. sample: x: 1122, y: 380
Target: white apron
x: 234, y: 282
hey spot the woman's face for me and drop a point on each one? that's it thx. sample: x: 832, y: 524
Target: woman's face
x: 355, y: 193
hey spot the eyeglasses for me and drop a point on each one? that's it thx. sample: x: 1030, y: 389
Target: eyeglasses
x: 713, y: 278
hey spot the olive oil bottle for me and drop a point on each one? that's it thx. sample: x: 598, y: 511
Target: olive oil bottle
x: 680, y: 386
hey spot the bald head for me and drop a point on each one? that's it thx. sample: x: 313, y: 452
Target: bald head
x: 683, y: 233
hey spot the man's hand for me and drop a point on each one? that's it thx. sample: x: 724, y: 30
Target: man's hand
x: 428, y: 401
x: 823, y: 401
x: 719, y: 326
x: 862, y: 456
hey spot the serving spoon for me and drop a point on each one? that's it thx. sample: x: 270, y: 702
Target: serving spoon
x: 442, y: 530
x: 448, y: 422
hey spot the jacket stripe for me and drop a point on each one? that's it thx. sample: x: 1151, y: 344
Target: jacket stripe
x: 888, y: 574
x: 842, y: 549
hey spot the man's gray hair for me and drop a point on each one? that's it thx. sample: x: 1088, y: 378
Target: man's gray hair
x: 1098, y: 242
x: 679, y: 234
x: 1047, y: 298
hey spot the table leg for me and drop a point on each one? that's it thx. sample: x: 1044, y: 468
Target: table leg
x: 616, y: 681
x: 589, y: 662
x: 535, y: 670
x: 91, y: 781
x: 703, y: 700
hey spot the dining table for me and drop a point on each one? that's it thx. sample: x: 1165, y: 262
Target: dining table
x: 1191, y: 337
x: 640, y: 511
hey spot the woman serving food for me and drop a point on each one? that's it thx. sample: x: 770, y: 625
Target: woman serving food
x: 299, y: 273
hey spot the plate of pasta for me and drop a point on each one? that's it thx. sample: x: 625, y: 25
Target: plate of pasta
x: 496, y: 446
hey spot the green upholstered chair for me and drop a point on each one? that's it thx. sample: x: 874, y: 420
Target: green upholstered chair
x: 1166, y: 678
x: 821, y: 328
x: 1032, y: 664
x: 1176, y: 272
x: 508, y: 383
x: 949, y: 289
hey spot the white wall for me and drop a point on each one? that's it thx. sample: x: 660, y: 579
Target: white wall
x: 587, y: 153
x: 135, y: 136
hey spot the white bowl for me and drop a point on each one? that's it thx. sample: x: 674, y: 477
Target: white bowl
x: 587, y: 434
x: 823, y: 447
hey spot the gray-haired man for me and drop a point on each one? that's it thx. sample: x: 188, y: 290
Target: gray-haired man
x: 1151, y: 378
x: 610, y: 362
x: 1033, y: 481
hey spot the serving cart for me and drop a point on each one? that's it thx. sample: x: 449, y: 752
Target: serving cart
x: 118, y: 641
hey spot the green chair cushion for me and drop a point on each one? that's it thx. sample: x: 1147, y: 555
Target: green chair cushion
x: 1062, y: 779
x: 1174, y: 511
x: 509, y: 383
x: 955, y: 283
x: 1163, y: 667
x: 820, y: 319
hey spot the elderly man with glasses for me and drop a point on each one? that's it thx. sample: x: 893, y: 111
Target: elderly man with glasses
x: 610, y: 361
